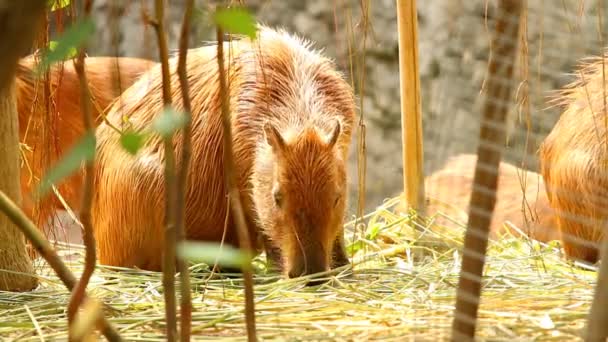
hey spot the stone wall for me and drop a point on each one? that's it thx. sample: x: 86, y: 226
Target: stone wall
x: 453, y: 52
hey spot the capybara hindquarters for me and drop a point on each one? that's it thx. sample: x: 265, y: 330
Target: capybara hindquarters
x: 573, y: 163
x: 49, y: 135
x: 520, y: 198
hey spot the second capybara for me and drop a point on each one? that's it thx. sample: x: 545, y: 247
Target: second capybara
x: 292, y: 117
x: 573, y: 162
x: 448, y: 190
x: 66, y: 114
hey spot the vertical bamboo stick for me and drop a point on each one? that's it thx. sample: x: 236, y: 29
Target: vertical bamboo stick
x: 411, y: 121
x: 597, y: 329
x: 483, y: 196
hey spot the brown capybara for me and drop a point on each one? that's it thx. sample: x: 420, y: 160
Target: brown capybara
x: 448, y: 190
x: 292, y: 116
x: 573, y: 162
x: 101, y: 73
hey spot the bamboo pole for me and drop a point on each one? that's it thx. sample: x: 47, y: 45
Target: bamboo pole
x: 411, y: 121
x: 483, y: 196
x: 597, y: 329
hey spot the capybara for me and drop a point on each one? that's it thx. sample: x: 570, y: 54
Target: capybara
x: 292, y: 115
x: 101, y: 73
x: 573, y: 162
x: 448, y: 190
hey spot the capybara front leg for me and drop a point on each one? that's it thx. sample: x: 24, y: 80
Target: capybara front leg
x: 577, y: 247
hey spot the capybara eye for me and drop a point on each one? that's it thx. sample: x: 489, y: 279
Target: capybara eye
x: 337, y: 200
x: 278, y: 198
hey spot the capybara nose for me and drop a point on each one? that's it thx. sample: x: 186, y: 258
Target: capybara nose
x: 296, y: 271
x: 299, y: 270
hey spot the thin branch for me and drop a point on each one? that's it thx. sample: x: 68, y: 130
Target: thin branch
x: 170, y: 232
x: 182, y: 179
x: 230, y: 179
x: 85, y: 215
x: 44, y: 248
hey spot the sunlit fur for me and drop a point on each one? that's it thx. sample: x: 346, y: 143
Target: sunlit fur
x: 520, y: 198
x: 65, y: 115
x: 276, y: 81
x: 573, y: 161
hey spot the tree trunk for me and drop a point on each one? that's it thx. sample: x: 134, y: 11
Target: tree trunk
x: 19, y: 21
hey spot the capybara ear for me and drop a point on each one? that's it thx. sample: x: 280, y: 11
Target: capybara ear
x: 335, y: 134
x: 274, y: 138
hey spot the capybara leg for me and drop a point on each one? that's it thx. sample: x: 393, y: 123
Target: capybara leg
x: 576, y: 247
x: 339, y: 257
x: 581, y: 253
x: 577, y: 236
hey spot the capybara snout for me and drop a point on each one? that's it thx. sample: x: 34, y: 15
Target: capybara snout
x: 309, y: 260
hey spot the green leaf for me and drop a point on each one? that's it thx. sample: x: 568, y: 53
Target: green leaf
x: 132, y: 141
x: 373, y: 231
x: 70, y: 40
x: 58, y: 4
x: 236, y: 20
x: 355, y: 247
x: 208, y: 253
x: 83, y: 151
x: 168, y: 121
x: 71, y: 52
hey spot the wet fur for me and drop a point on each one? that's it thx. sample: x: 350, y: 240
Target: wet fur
x: 573, y: 158
x: 101, y: 74
x: 279, y: 88
x: 448, y: 191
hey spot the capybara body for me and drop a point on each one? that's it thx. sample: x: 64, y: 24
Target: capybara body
x: 66, y: 112
x: 573, y: 162
x: 292, y: 115
x: 520, y: 198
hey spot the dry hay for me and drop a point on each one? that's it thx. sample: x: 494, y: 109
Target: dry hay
x: 403, y: 286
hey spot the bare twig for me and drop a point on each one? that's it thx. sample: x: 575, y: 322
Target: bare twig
x: 87, y: 198
x: 182, y: 179
x: 483, y: 196
x: 170, y: 232
x: 235, y: 199
x: 46, y: 250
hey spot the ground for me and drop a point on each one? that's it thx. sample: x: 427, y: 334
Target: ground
x: 401, y: 287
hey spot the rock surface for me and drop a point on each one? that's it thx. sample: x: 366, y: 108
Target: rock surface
x: 453, y: 53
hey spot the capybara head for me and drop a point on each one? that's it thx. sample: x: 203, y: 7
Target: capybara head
x: 299, y: 190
